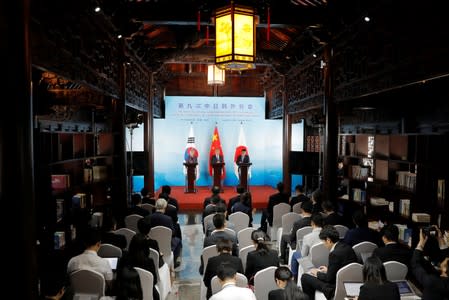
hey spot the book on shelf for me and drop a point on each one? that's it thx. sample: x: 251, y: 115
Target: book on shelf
x: 79, y: 200
x: 59, y: 240
x: 406, y: 179
x: 59, y: 210
x: 421, y: 217
x: 404, y: 207
x: 60, y: 181
x: 358, y: 195
x: 391, y: 206
x: 378, y: 201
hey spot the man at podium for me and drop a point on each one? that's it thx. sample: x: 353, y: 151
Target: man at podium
x: 243, y: 157
x: 191, y: 169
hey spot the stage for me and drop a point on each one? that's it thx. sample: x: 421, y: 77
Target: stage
x: 194, y: 201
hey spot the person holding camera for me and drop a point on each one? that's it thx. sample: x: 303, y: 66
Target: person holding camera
x: 435, y: 284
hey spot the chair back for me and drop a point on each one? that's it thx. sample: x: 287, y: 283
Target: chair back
x: 131, y: 221
x: 230, y: 231
x: 363, y: 250
x: 149, y: 207
x: 244, y: 237
x: 146, y: 282
x: 287, y: 221
x: 215, y: 285
x: 208, y: 219
x: 240, y: 220
x: 297, y: 208
x: 350, y: 272
x: 128, y: 233
x: 342, y: 229
x: 208, y: 252
x: 300, y: 233
x: 163, y: 236
x: 88, y: 282
x: 319, y: 255
x: 243, y: 253
x: 278, y: 211
x: 109, y: 250
x: 395, y: 270
x: 154, y: 255
x: 264, y: 282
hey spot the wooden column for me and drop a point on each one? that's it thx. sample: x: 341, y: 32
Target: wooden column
x: 331, y: 130
x: 16, y: 150
x: 148, y: 139
x: 286, y: 140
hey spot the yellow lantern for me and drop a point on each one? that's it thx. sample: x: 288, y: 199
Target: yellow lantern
x: 235, y: 35
x: 215, y: 75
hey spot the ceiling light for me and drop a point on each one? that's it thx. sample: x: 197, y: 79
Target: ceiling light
x: 215, y: 75
x: 367, y: 19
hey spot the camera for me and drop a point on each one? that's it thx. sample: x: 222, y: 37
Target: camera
x: 429, y: 231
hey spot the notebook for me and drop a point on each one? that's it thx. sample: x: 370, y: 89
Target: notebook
x: 112, y: 262
x: 352, y: 288
x: 404, y: 288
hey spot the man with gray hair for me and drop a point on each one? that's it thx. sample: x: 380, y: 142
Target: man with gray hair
x: 158, y: 218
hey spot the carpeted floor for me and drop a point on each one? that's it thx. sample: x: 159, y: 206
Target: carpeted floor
x: 194, y: 201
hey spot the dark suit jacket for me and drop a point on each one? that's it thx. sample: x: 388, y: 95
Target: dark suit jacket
x: 138, y: 211
x: 258, y: 260
x: 333, y: 219
x: 274, y: 200
x: 214, y: 263
x: 298, y: 199
x: 118, y: 240
x: 303, y: 222
x: 214, y: 160
x: 242, y: 159
x: 231, y: 202
x: 338, y: 258
x: 279, y: 294
x: 360, y: 234
x: 435, y: 287
x: 159, y: 219
x: 395, y: 251
x: 374, y: 291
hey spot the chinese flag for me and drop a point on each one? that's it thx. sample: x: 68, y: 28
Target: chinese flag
x: 215, y: 144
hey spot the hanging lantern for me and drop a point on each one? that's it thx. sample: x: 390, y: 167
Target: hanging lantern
x: 215, y: 75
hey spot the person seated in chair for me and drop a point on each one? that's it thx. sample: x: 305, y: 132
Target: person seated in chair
x: 227, y: 276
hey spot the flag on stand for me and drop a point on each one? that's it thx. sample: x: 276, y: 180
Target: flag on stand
x: 241, y: 144
x: 191, y: 145
x: 215, y: 144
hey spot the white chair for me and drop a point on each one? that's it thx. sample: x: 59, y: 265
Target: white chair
x: 128, y: 233
x: 244, y: 237
x: 208, y: 220
x: 240, y: 220
x: 215, y: 285
x: 230, y: 231
x: 395, y: 270
x: 243, y: 253
x: 297, y: 208
x: 350, y: 272
x: 264, y: 283
x: 364, y: 250
x: 109, y: 250
x: 131, y: 221
x: 278, y: 211
x: 149, y: 207
x: 88, y: 282
x: 146, y: 282
x: 319, y: 255
x: 208, y: 252
x: 287, y: 224
x: 163, y: 237
x: 162, y: 274
x: 342, y: 229
x: 300, y: 233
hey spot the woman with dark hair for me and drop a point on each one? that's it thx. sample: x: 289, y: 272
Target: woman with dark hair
x: 260, y: 258
x: 288, y: 290
x: 376, y: 285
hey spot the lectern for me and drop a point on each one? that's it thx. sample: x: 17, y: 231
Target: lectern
x: 218, y: 167
x: 243, y: 174
x: 191, y: 177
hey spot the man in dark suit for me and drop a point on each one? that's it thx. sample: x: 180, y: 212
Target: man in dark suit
x: 267, y: 214
x: 240, y: 190
x: 299, y: 196
x: 332, y: 217
x: 393, y: 250
x: 166, y: 189
x: 136, y: 208
x: 217, y: 157
x: 324, y: 278
x: 224, y: 248
x: 242, y: 158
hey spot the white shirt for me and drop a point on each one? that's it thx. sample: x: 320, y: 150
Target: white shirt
x: 90, y: 260
x: 232, y: 292
x: 309, y: 240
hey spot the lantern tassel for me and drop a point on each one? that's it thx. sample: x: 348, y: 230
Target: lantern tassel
x: 268, y: 23
x: 198, y: 22
x: 207, y: 35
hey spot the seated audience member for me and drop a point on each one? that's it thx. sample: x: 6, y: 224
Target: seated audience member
x: 267, y: 214
x: 308, y: 241
x: 288, y: 290
x: 54, y: 283
x: 144, y: 227
x: 435, y: 284
x: 240, y: 190
x: 324, y: 278
x: 89, y: 259
x: 215, y: 193
x: 146, y: 196
x: 375, y: 284
x: 138, y: 255
x: 244, y: 206
x: 158, y: 218
x: 215, y: 206
x: 361, y: 232
x: 219, y: 233
x: 299, y: 197
x: 331, y: 217
x: 224, y: 248
x: 166, y: 190
x: 136, y: 206
x: 227, y: 276
x: 393, y: 250
x: 209, y: 225
x: 172, y: 212
x: 317, y: 199
x: 290, y: 237
x: 108, y: 236
x: 260, y: 258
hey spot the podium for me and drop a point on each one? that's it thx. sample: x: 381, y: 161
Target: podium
x: 218, y: 167
x: 191, y: 177
x: 243, y: 174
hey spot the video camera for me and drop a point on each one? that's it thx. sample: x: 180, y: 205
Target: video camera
x: 429, y: 231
